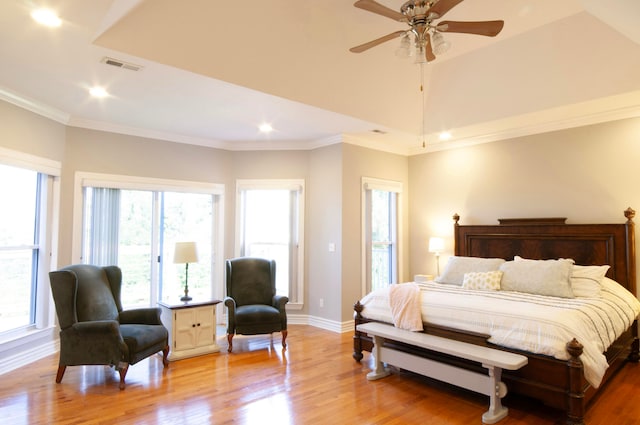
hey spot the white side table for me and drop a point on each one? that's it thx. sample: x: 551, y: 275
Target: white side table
x: 192, y: 328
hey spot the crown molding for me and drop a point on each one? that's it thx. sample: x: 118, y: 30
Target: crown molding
x: 34, y: 106
x: 582, y: 114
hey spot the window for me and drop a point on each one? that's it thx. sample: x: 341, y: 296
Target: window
x: 270, y: 225
x: 25, y: 240
x: 137, y: 228
x: 380, y: 233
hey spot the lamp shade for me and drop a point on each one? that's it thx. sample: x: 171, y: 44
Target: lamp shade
x: 436, y: 245
x: 185, y: 252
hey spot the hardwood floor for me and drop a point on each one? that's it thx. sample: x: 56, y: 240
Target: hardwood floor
x: 315, y: 381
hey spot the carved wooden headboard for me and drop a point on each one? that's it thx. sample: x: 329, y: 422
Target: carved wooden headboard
x: 550, y: 238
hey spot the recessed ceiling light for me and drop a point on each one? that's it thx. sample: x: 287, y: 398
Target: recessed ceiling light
x: 98, y: 92
x: 445, y: 135
x: 46, y: 17
x: 265, y: 128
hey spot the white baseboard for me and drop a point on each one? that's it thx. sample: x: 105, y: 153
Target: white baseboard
x: 21, y: 358
x: 320, y: 322
x: 29, y: 355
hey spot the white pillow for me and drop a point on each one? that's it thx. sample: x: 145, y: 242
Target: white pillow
x: 457, y: 266
x: 540, y: 277
x: 489, y: 281
x: 586, y: 281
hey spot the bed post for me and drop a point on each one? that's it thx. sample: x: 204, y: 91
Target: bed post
x: 630, y: 213
x: 357, y: 341
x: 575, y: 396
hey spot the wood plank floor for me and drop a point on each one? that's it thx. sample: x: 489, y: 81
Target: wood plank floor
x: 315, y: 381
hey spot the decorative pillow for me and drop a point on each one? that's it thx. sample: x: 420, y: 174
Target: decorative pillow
x: 586, y: 281
x: 540, y: 277
x: 457, y: 266
x: 489, y: 281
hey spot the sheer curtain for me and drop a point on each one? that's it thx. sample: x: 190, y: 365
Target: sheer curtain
x: 103, y: 227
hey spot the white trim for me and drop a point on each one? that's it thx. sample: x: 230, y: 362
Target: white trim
x: 83, y: 179
x: 21, y: 346
x: 32, y: 345
x: 217, y: 274
x: 371, y: 183
x: 368, y: 184
x: 282, y: 184
x: 330, y: 325
x: 116, y: 181
x: 32, y: 162
x: 34, y: 106
x: 306, y: 320
x: 266, y: 184
x: 50, y: 202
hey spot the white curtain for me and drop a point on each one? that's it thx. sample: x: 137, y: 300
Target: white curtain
x: 105, y: 218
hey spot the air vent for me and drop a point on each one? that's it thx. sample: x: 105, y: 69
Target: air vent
x: 121, y: 64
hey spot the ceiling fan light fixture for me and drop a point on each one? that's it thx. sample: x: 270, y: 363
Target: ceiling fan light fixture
x: 421, y: 53
x: 440, y: 45
x: 404, y: 50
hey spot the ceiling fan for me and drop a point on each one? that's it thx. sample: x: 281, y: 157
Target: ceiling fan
x: 420, y: 16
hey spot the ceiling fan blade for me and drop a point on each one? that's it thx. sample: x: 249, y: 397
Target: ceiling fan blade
x: 375, y: 7
x: 443, y: 6
x: 366, y: 46
x: 488, y: 28
x: 428, y: 51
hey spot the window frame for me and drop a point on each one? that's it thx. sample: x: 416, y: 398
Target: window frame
x: 367, y: 185
x: 48, y: 215
x: 126, y: 182
x: 296, y: 296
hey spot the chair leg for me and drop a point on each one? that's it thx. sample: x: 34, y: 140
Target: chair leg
x: 165, y: 357
x: 60, y: 373
x: 230, y: 341
x: 284, y: 338
x: 122, y: 369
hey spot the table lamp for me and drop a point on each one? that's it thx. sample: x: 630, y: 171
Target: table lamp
x: 436, y: 245
x: 185, y: 252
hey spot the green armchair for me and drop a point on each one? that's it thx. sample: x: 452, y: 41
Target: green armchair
x: 252, y: 304
x: 94, y: 329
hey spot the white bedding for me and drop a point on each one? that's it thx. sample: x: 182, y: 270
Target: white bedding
x: 534, y: 323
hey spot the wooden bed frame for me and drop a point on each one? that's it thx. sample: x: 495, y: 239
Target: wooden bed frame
x: 557, y: 383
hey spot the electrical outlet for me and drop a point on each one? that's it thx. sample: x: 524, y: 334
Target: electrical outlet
x: 321, y: 302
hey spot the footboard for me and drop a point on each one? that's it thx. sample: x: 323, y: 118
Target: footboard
x: 556, y: 383
x: 362, y: 342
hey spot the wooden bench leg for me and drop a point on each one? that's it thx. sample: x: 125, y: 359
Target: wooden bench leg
x: 380, y: 371
x: 496, y: 410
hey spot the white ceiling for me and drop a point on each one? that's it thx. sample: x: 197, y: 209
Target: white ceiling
x: 212, y: 71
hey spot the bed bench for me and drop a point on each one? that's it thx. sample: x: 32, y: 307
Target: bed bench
x: 492, y: 359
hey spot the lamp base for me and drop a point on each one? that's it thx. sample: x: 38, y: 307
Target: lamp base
x: 186, y: 296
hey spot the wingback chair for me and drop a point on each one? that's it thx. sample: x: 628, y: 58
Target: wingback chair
x: 94, y: 329
x: 252, y: 304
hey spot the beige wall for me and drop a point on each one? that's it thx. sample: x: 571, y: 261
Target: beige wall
x: 30, y: 133
x: 587, y: 174
x: 324, y: 215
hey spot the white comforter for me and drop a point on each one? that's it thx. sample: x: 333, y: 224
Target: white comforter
x: 534, y: 323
